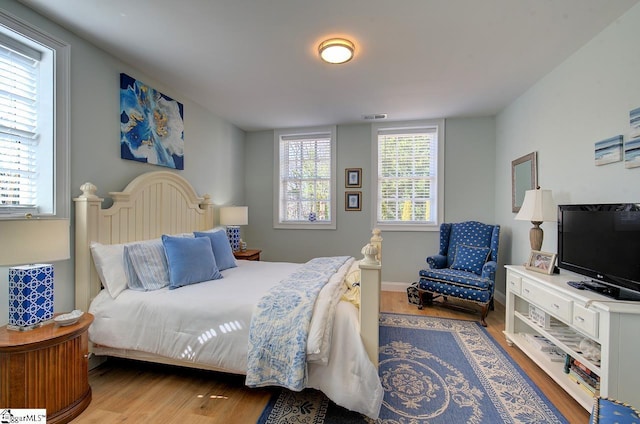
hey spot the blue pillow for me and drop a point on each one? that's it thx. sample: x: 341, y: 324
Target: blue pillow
x: 470, y: 258
x: 221, y: 248
x: 190, y: 261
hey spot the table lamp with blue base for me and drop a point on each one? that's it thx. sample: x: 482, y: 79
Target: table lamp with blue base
x: 31, y: 286
x: 232, y: 217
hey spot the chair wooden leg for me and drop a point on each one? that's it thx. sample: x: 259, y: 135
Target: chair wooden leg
x: 485, y: 312
x: 425, y: 298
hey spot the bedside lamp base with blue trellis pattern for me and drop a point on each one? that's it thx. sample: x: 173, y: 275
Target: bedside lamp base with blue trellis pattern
x: 233, y: 234
x: 30, y: 296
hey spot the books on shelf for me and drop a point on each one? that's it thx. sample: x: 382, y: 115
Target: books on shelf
x: 582, y: 375
x: 587, y: 388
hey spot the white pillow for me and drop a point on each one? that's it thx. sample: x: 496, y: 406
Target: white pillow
x: 109, y: 262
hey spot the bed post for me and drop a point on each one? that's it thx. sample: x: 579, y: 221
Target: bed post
x: 370, y: 284
x: 86, y: 228
x: 376, y: 240
x: 208, y: 206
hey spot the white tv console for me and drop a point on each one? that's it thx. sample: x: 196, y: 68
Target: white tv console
x: 613, y: 324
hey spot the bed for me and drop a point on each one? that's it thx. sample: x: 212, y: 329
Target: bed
x: 231, y: 323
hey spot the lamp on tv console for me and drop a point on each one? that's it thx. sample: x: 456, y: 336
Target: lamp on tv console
x: 538, y: 207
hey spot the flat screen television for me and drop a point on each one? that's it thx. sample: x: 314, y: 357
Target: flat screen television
x: 602, y: 243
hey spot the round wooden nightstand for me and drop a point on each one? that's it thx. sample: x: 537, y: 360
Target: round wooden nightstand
x: 46, y: 368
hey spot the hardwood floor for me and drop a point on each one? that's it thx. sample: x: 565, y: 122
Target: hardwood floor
x: 128, y: 391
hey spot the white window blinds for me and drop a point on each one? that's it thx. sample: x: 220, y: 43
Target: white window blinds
x: 305, y: 178
x: 407, y: 174
x: 19, y: 67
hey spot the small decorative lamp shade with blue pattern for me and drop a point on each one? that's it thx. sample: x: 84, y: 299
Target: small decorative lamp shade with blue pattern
x: 232, y: 217
x: 32, y: 241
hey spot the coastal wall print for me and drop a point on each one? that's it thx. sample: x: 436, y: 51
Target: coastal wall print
x: 632, y: 146
x: 151, y: 125
x: 609, y: 150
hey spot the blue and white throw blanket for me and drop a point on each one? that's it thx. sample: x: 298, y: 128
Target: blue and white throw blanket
x: 280, y: 326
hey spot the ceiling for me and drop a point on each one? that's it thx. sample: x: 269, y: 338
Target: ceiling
x: 255, y: 63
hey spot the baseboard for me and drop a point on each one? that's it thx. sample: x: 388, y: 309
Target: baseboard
x: 394, y: 286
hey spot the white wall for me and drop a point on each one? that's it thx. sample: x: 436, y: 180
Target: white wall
x: 585, y: 100
x: 214, y: 149
x: 469, y: 194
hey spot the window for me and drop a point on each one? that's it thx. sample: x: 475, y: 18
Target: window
x: 408, y: 173
x: 305, y: 178
x: 34, y: 75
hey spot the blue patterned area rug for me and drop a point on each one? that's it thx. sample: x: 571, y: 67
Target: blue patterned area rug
x: 433, y: 370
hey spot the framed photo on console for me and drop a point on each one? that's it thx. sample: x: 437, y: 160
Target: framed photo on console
x: 541, y: 262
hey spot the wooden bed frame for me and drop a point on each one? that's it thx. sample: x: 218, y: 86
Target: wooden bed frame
x: 163, y: 202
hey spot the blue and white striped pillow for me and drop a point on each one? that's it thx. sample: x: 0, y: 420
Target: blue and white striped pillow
x: 146, y: 265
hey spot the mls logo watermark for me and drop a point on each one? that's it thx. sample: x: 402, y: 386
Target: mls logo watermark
x: 23, y: 416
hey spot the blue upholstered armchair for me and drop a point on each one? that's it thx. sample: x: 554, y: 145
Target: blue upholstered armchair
x: 465, y: 267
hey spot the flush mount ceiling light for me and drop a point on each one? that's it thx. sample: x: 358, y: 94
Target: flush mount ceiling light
x: 336, y: 50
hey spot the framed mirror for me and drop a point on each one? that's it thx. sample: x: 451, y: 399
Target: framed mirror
x: 524, y: 176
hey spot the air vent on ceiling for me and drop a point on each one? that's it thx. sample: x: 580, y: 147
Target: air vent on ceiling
x: 375, y: 116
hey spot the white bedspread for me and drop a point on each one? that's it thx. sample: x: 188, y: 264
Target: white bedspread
x: 208, y: 323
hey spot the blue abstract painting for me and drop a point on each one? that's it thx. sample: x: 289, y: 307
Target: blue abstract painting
x: 151, y: 125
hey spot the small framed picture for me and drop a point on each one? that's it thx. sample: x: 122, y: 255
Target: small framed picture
x: 541, y: 262
x: 353, y: 177
x: 352, y: 200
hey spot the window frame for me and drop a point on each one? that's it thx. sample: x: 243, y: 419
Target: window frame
x: 439, y: 126
x: 61, y: 103
x: 302, y: 132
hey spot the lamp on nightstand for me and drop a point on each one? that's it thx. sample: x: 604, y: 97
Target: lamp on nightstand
x: 31, y: 286
x: 538, y: 207
x: 232, y: 217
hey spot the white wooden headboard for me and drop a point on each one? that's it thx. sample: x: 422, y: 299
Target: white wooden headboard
x: 152, y: 204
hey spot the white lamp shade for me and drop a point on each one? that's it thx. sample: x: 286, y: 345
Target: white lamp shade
x: 234, y: 215
x: 29, y: 241
x: 538, y: 206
